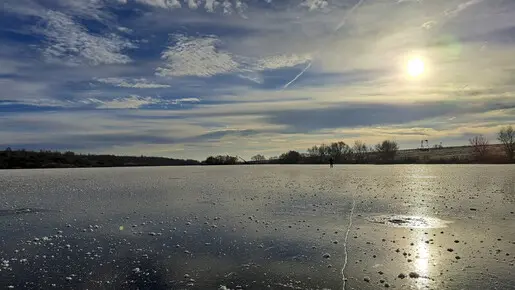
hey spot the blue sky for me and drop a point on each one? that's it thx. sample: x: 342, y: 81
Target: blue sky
x: 191, y: 78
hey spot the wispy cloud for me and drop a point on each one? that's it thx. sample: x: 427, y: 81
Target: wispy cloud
x: 204, y: 56
x: 140, y: 83
x: 315, y: 4
x: 185, y: 100
x: 279, y: 61
x: 87, y: 9
x: 170, y: 4
x: 196, y: 56
x: 226, y: 7
x: 131, y: 102
x: 125, y: 29
x: 70, y: 43
x: 461, y: 7
x: 137, y: 102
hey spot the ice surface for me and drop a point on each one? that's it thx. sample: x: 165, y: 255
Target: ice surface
x: 409, y: 221
x: 259, y: 227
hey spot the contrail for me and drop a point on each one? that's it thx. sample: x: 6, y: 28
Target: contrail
x: 342, y: 23
x: 299, y: 75
x: 336, y: 28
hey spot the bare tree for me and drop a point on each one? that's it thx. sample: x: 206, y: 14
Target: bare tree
x: 507, y: 138
x: 292, y: 157
x: 221, y: 160
x: 258, y: 158
x: 340, y: 151
x: 360, y: 151
x: 313, y: 151
x: 479, y: 146
x: 324, y: 151
x: 387, y: 150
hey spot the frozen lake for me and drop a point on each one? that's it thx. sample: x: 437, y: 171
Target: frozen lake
x: 259, y: 227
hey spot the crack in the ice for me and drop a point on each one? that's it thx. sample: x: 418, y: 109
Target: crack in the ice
x: 345, y: 242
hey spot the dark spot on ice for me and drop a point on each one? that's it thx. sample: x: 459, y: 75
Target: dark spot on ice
x: 414, y: 275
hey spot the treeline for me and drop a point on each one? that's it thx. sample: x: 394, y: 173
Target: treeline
x: 17, y: 159
x: 386, y: 152
x: 383, y: 152
x: 221, y: 160
x: 341, y: 153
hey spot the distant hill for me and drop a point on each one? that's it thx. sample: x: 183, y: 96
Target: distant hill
x: 443, y: 155
x: 46, y: 159
x: 458, y: 154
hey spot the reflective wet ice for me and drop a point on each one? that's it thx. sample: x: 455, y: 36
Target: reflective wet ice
x: 256, y: 227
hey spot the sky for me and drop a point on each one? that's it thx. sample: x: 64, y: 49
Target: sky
x: 193, y: 78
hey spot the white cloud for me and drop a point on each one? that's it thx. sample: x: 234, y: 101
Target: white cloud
x: 185, y: 100
x: 196, y: 57
x: 192, y: 4
x: 240, y: 6
x: 252, y: 76
x: 314, y: 4
x: 88, y: 9
x: 226, y: 7
x: 71, y: 43
x: 211, y: 5
x: 280, y: 61
x: 141, y: 83
x: 204, y: 57
x: 135, y: 102
x: 85, y: 8
x: 168, y: 4
x: 130, y: 102
x: 124, y: 29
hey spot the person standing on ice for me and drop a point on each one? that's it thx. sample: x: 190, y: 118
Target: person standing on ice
x: 331, y: 162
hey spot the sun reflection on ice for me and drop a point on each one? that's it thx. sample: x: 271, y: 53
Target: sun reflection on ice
x: 423, y: 260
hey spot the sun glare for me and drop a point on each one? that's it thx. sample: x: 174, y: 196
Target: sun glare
x: 415, y: 67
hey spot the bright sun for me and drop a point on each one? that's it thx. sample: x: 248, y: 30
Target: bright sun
x: 415, y: 67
